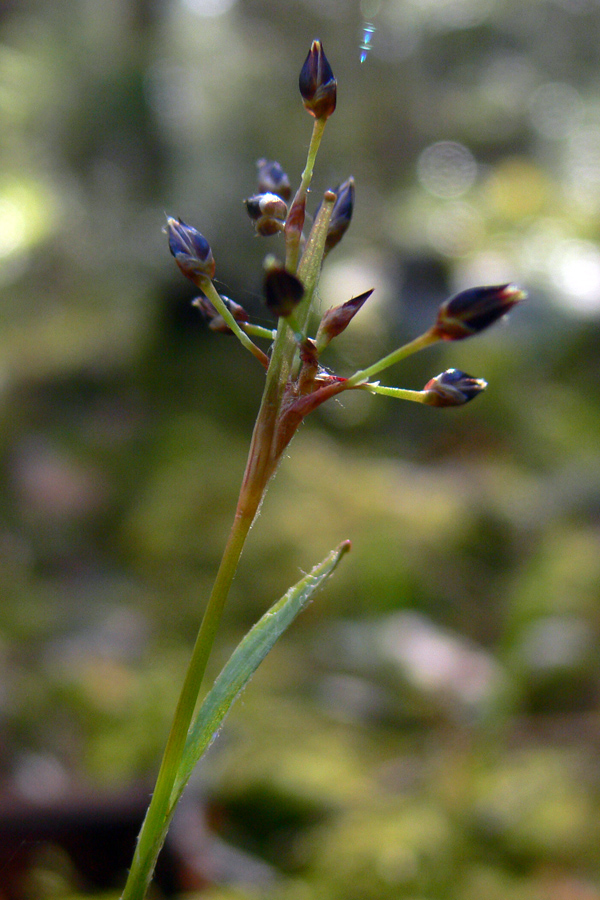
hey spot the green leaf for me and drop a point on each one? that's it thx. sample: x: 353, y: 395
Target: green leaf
x: 243, y: 663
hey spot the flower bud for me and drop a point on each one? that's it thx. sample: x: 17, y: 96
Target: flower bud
x: 341, y: 214
x: 272, y: 179
x: 283, y: 291
x: 266, y: 205
x: 191, y: 250
x: 473, y: 310
x: 337, y: 319
x: 317, y: 85
x: 452, y: 388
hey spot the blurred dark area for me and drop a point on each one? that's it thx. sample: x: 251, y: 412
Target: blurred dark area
x: 430, y: 728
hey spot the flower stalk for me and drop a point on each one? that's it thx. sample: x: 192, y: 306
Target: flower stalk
x: 295, y: 219
x: 419, y: 343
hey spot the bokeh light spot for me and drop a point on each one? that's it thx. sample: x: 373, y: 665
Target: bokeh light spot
x: 576, y: 273
x: 555, y: 109
x: 12, y: 227
x: 454, y: 229
x: 446, y: 169
x: 397, y: 33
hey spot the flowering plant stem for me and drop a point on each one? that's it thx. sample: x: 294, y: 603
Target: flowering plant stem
x: 263, y: 456
x: 159, y: 814
x: 259, y: 468
x: 295, y: 385
x: 293, y: 233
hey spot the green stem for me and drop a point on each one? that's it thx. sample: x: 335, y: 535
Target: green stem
x: 262, y: 459
x: 206, y: 285
x: 259, y: 468
x: 315, y: 140
x: 425, y: 340
x: 292, y: 237
x: 259, y: 331
x: 399, y: 393
x: 157, y: 818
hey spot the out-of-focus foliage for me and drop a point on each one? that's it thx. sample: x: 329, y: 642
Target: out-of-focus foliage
x: 430, y: 727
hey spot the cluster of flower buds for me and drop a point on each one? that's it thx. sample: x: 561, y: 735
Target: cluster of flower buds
x: 268, y: 207
x: 285, y: 286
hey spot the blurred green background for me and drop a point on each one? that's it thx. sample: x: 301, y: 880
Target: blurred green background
x: 430, y: 728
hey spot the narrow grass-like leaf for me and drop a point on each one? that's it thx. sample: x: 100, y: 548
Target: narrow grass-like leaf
x: 243, y: 663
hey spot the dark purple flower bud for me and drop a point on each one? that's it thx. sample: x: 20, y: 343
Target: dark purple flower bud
x: 283, y: 291
x: 266, y: 205
x: 272, y: 179
x: 338, y: 318
x: 475, y: 309
x: 191, y: 250
x: 317, y: 84
x: 452, y: 388
x: 215, y: 321
x: 341, y: 214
